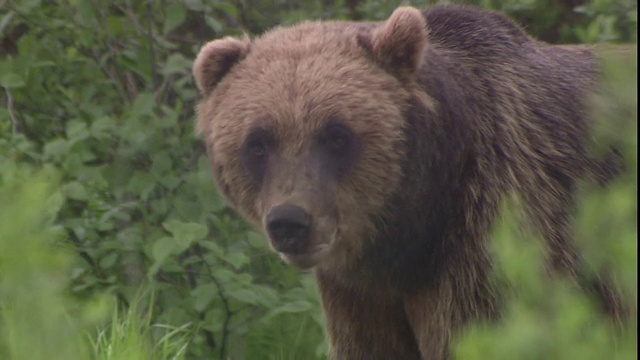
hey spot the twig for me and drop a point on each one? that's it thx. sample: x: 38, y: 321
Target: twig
x: 152, y: 50
x: 14, y: 119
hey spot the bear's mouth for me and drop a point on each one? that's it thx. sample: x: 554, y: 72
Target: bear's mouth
x: 313, y: 255
x: 300, y: 241
x: 308, y: 259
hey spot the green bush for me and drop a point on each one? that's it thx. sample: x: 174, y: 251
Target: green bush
x: 106, y: 194
x: 34, y: 316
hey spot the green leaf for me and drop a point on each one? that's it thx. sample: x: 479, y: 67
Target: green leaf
x: 169, y: 119
x: 162, y: 248
x: 138, y: 59
x: 267, y: 296
x: 177, y: 64
x: 256, y: 240
x: 203, y: 295
x: 108, y: 261
x: 289, y: 308
x: 102, y: 127
x: 211, y: 246
x: 176, y: 14
x: 75, y: 190
x: 77, y: 130
x: 224, y: 275
x: 161, y: 164
x: 236, y: 259
x: 170, y: 181
x: 54, y: 204
x: 185, y: 233
x: 245, y: 295
x: 143, y: 105
x: 142, y: 184
x: 12, y: 81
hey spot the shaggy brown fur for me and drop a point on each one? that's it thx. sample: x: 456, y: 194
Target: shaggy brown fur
x: 396, y: 142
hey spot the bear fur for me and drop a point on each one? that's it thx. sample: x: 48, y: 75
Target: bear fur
x: 395, y: 143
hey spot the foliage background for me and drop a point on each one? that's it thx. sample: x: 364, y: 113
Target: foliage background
x: 107, y: 201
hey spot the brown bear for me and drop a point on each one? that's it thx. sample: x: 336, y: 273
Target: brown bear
x: 378, y: 154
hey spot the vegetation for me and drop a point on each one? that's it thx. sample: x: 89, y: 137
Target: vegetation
x: 114, y: 243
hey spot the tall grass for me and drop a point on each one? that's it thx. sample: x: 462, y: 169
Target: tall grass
x: 130, y: 336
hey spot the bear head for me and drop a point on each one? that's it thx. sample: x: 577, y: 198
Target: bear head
x: 305, y: 128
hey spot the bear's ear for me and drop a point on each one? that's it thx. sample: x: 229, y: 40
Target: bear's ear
x: 398, y: 44
x: 215, y: 60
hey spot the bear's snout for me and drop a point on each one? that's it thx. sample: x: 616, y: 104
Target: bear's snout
x: 288, y: 227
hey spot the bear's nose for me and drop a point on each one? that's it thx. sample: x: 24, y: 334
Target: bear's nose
x: 288, y: 227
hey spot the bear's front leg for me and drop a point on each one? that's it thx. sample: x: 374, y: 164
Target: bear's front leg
x: 438, y: 312
x: 365, y: 323
x: 430, y: 314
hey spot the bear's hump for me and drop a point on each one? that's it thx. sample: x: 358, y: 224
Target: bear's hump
x: 470, y: 29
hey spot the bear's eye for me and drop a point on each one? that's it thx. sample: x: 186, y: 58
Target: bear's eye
x: 337, y: 138
x: 255, y: 151
x: 338, y: 147
x: 257, y: 147
x: 257, y: 143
